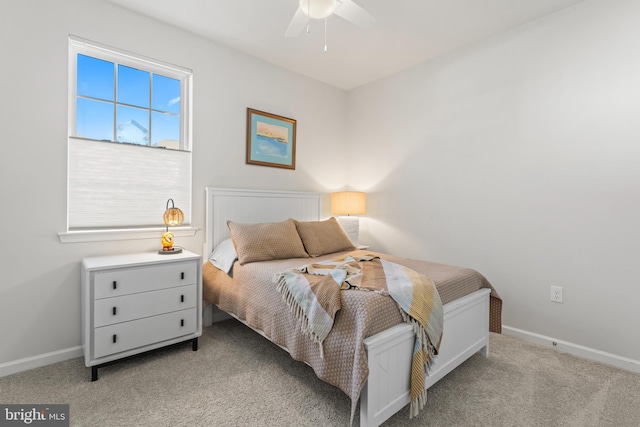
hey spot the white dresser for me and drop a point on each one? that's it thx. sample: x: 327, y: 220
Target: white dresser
x: 139, y: 302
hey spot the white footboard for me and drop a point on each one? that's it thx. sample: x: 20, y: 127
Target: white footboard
x: 466, y: 331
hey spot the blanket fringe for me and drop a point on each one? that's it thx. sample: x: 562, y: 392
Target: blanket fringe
x: 429, y: 351
x: 299, y: 314
x: 417, y: 404
x: 421, y: 334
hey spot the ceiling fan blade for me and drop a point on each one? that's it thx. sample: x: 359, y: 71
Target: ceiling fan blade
x: 350, y: 11
x: 297, y: 24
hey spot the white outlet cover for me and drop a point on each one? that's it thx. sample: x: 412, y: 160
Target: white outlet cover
x: 556, y: 294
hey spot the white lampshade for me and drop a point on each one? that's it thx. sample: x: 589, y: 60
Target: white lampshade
x: 318, y: 9
x: 348, y: 203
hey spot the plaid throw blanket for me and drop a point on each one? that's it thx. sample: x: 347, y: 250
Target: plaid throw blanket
x: 315, y: 303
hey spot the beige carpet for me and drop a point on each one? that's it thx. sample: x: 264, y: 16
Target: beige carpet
x: 238, y: 378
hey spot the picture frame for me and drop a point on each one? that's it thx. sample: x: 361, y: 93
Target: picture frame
x: 271, y: 140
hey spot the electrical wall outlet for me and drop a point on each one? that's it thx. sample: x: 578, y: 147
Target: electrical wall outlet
x: 556, y: 294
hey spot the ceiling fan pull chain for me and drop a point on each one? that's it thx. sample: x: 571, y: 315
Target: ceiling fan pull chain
x: 325, y: 34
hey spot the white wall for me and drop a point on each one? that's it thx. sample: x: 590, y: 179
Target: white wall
x: 519, y: 157
x: 40, y: 285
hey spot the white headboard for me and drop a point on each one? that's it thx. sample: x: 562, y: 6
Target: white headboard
x: 243, y: 205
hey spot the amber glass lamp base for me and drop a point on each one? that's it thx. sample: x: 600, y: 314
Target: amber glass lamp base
x: 169, y: 251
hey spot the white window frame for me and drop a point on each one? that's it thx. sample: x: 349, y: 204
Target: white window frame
x: 79, y: 45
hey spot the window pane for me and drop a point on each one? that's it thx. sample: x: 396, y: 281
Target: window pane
x: 94, y: 119
x: 133, y: 124
x: 133, y: 86
x: 165, y: 130
x: 95, y: 78
x: 166, y: 94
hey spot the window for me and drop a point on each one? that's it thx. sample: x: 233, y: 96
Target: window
x: 129, y: 139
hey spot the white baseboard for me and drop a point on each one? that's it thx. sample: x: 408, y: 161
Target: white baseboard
x: 210, y: 315
x: 40, y: 360
x: 9, y: 368
x: 574, y: 349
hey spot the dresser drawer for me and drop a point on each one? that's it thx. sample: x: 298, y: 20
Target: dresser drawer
x: 137, y: 333
x: 125, y: 281
x: 108, y: 311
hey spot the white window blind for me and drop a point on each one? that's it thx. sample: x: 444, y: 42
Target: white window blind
x: 115, y: 184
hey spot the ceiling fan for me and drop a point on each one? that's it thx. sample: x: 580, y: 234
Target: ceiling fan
x: 321, y: 9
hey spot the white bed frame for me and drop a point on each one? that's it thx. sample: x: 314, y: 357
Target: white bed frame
x: 466, y: 320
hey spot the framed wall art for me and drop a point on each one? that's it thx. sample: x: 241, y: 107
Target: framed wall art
x: 271, y: 140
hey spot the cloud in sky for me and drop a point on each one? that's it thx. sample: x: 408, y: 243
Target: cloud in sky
x: 174, y: 101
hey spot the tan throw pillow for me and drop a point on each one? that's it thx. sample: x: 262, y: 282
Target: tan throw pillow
x: 323, y: 237
x: 267, y: 241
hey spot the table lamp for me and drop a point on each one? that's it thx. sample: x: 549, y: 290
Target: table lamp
x: 172, y: 217
x: 349, y: 203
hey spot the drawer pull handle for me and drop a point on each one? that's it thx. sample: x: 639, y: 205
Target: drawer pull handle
x: 114, y: 311
x: 114, y: 338
x: 181, y: 322
x: 115, y: 285
x: 182, y: 275
x: 181, y: 298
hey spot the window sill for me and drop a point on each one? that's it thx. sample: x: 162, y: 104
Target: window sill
x: 107, y: 235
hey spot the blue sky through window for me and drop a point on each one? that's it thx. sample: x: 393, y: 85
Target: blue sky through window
x: 132, y: 125
x: 151, y: 113
x: 94, y: 119
x: 165, y: 127
x: 133, y: 86
x: 95, y: 78
x: 166, y: 94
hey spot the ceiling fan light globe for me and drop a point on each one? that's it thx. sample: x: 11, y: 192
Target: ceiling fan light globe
x: 319, y: 8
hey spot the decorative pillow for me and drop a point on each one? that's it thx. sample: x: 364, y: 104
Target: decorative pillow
x: 267, y: 241
x: 224, y: 255
x: 323, y: 237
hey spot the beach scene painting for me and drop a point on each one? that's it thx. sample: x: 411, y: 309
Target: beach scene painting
x: 270, y: 139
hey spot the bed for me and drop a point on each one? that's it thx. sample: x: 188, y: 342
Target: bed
x: 371, y: 365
